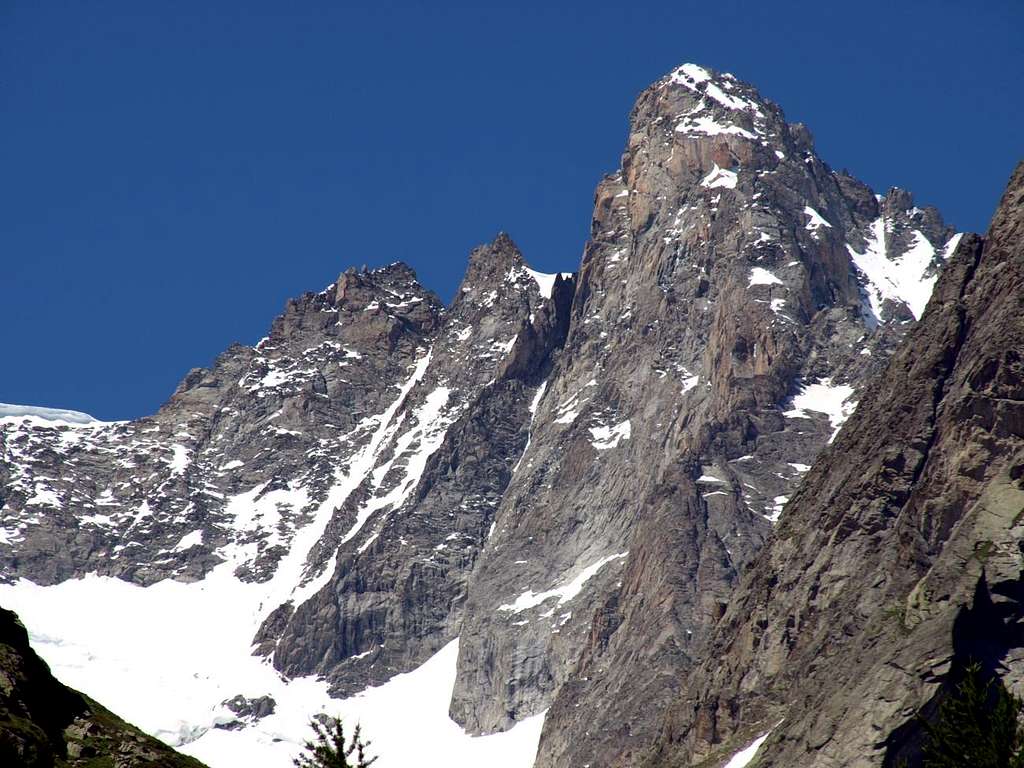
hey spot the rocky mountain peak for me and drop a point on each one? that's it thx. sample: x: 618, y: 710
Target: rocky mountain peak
x: 491, y: 263
x: 716, y: 120
x: 498, y: 277
x: 357, y: 289
x: 529, y: 485
x: 720, y: 315
x: 706, y: 92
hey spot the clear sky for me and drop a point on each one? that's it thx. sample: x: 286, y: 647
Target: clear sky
x: 171, y: 172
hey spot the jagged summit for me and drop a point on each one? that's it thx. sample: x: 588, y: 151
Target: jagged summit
x: 750, y: 137
x: 493, y: 260
x: 707, y: 153
x: 392, y: 288
x: 718, y: 104
x: 698, y: 103
x: 722, y: 324
x: 499, y: 263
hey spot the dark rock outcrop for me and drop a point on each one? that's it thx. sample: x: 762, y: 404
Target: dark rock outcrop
x: 44, y: 724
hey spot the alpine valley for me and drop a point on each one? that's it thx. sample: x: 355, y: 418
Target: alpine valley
x: 746, y: 488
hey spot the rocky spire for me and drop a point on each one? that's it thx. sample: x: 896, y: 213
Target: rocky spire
x: 721, y: 332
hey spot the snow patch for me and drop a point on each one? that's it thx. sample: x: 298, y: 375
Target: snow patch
x: 567, y: 411
x: 778, y: 503
x: 564, y: 593
x: 533, y: 415
x: 189, y: 540
x: 950, y: 247
x: 59, y: 415
x: 726, y: 100
x: 824, y: 397
x: 900, y: 279
x: 546, y: 282
x: 430, y: 424
x: 693, y: 77
x: 742, y: 758
x: 179, y: 459
x: 690, y: 75
x: 537, y: 396
x: 816, y: 220
x: 710, y: 127
x: 407, y: 721
x: 761, y: 276
x: 43, y: 496
x: 504, y: 347
x: 606, y: 438
x: 719, y: 177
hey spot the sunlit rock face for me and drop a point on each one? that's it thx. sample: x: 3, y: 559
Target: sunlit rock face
x: 897, y: 563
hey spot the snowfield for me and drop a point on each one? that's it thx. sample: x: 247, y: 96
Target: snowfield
x: 165, y: 656
x: 824, y: 397
x: 905, y: 279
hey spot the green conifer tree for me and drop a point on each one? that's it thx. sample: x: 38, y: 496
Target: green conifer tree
x: 977, y: 727
x: 329, y: 748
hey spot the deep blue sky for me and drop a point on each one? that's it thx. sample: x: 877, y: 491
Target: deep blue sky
x: 171, y: 172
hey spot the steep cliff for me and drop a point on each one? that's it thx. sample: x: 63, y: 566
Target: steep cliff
x: 725, y: 320
x: 899, y: 559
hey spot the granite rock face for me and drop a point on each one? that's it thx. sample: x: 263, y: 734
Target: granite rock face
x: 567, y: 472
x: 720, y: 293
x: 410, y: 533
x: 899, y: 559
x: 44, y: 724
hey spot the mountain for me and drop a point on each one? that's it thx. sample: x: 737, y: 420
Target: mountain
x: 721, y: 332
x: 526, y: 510
x: 45, y: 724
x: 898, y: 561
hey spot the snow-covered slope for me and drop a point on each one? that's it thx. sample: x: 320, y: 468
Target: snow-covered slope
x: 9, y: 411
x: 170, y: 654
x: 906, y: 278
